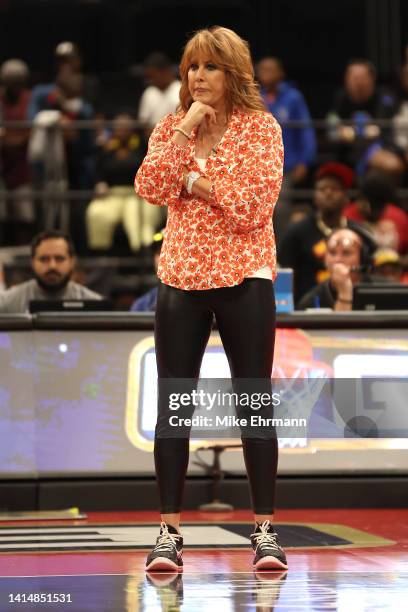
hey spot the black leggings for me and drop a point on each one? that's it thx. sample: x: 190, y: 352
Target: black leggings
x: 245, y: 317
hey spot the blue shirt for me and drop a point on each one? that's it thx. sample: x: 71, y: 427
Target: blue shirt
x: 40, y: 100
x: 146, y: 303
x: 299, y: 143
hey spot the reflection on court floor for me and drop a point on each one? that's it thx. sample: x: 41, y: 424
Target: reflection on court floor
x: 272, y: 591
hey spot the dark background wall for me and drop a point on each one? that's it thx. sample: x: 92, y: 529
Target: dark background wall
x: 314, y: 38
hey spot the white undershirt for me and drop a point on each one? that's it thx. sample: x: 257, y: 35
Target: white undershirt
x: 264, y: 272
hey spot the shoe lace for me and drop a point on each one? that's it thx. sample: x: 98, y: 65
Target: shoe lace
x: 265, y: 537
x: 166, y: 541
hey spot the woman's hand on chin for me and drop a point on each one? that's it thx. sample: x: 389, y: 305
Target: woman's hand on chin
x: 196, y: 114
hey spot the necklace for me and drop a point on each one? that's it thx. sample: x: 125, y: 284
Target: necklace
x: 325, y: 229
x: 213, y: 149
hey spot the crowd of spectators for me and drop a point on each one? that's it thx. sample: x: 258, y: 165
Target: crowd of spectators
x: 59, y: 157
x: 55, y: 173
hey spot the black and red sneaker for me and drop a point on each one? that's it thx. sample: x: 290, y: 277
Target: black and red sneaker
x: 269, y: 555
x: 167, y: 554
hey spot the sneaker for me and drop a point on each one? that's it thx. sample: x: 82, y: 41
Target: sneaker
x: 268, y: 553
x: 166, y: 555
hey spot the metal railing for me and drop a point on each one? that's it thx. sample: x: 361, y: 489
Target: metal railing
x: 326, y: 147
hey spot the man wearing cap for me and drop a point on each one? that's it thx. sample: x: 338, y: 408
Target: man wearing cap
x: 64, y: 154
x: 68, y: 63
x: 303, y: 247
x: 388, y: 265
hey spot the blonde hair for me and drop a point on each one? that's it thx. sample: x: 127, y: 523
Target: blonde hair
x: 231, y: 53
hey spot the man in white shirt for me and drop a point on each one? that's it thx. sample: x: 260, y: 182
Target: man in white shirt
x: 161, y: 96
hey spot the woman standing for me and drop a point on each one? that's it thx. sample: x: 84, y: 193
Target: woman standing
x: 217, y: 165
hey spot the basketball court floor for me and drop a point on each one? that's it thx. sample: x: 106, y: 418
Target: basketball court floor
x: 345, y: 560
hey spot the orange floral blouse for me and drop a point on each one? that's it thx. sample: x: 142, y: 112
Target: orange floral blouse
x: 216, y: 243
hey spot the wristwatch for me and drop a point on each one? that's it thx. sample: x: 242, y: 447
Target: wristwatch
x: 191, y: 178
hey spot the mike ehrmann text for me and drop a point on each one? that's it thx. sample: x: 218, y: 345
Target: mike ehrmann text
x: 233, y: 421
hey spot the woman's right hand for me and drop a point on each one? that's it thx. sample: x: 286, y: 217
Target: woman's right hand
x: 196, y: 114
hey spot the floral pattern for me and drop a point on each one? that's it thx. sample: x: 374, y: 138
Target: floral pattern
x: 219, y: 242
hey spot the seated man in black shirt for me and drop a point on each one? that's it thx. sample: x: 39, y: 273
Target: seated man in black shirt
x: 116, y: 201
x: 347, y: 262
x: 303, y: 247
x: 362, y: 102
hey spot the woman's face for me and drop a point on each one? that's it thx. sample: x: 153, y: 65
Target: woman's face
x: 207, y: 83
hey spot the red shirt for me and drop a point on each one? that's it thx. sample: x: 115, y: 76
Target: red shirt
x: 16, y: 170
x: 390, y: 213
x: 219, y: 242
